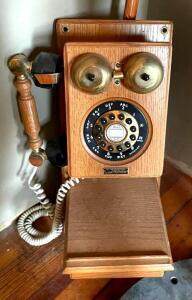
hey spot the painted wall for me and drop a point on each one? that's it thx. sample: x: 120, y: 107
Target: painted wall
x: 24, y: 26
x: 179, y: 129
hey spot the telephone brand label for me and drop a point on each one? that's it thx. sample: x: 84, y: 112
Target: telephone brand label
x: 116, y: 171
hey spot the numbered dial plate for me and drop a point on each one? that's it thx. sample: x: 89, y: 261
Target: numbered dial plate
x: 116, y: 130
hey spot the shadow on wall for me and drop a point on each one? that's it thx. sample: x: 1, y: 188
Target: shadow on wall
x: 179, y: 138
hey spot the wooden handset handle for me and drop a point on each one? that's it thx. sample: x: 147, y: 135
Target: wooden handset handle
x: 130, y: 11
x: 28, y: 112
x: 20, y: 67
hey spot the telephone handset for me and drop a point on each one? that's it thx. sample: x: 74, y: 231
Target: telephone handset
x: 55, y: 151
x: 45, y: 71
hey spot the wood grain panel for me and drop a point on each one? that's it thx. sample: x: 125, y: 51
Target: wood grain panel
x: 176, y: 190
x: 178, y: 210
x: 84, y: 30
x: 115, y: 227
x: 78, y: 103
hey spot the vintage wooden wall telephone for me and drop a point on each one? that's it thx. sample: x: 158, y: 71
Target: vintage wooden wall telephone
x: 116, y: 81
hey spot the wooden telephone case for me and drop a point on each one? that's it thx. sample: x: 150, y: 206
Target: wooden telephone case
x: 114, y: 225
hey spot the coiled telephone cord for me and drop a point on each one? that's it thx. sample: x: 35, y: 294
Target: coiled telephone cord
x: 25, y: 227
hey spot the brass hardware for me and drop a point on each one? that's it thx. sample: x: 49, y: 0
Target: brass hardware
x: 19, y: 65
x: 91, y: 73
x: 143, y: 72
x: 117, y: 72
x: 164, y: 30
x: 66, y: 28
x: 37, y: 158
x: 118, y: 75
x: 117, y: 82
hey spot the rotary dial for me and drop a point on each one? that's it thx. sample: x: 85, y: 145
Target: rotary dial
x: 116, y: 130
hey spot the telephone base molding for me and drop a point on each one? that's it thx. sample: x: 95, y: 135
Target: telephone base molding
x: 115, y: 228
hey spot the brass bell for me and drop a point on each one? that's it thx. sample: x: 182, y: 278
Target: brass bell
x: 91, y: 73
x: 143, y: 72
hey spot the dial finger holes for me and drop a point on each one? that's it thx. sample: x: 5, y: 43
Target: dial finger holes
x: 115, y: 130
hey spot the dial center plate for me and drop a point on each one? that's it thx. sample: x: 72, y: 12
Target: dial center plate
x: 116, y: 133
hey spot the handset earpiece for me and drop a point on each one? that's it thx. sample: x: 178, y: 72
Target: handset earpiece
x: 91, y: 73
x: 143, y: 72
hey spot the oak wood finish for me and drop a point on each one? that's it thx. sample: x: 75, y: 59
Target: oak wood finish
x: 91, y: 30
x: 28, y: 112
x: 84, y: 30
x: 115, y: 228
x: 131, y: 7
x: 121, y: 273
x: 78, y: 104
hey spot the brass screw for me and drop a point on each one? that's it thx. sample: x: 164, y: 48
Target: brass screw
x: 164, y: 30
x: 118, y: 65
x: 117, y: 81
x: 66, y: 28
